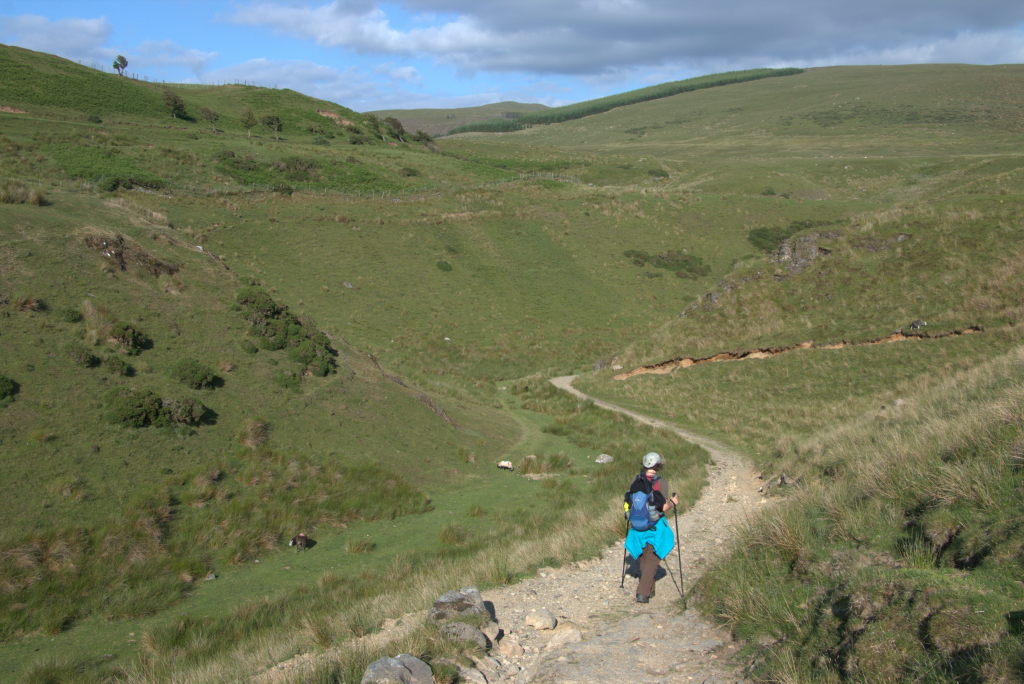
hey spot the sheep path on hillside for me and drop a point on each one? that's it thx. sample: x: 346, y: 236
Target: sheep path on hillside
x: 601, y: 634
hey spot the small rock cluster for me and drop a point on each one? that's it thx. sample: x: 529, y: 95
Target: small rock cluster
x: 500, y: 650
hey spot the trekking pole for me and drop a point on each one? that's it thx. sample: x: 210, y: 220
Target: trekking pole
x: 679, y: 554
x: 622, y: 582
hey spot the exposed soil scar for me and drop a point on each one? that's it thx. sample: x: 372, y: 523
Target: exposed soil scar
x: 685, y: 362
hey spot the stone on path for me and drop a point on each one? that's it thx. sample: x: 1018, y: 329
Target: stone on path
x: 458, y: 603
x: 540, y: 619
x: 402, y: 669
x: 565, y: 633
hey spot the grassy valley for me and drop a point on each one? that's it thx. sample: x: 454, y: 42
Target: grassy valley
x: 218, y: 333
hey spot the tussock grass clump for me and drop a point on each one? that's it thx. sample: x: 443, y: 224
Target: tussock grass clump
x: 545, y: 464
x: 15, y: 192
x: 255, y: 434
x: 360, y: 546
x: 453, y: 534
x: 29, y: 303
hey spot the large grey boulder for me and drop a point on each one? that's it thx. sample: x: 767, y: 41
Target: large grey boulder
x: 402, y: 669
x: 458, y: 603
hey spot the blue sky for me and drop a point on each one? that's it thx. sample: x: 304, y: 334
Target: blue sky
x: 368, y: 55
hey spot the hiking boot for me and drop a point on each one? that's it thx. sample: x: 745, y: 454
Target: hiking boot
x: 642, y: 598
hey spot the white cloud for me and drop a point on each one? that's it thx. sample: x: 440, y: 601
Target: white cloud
x: 409, y: 74
x: 589, y: 37
x: 82, y: 40
x: 164, y: 53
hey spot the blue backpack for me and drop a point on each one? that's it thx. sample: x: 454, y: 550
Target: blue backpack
x: 639, y: 514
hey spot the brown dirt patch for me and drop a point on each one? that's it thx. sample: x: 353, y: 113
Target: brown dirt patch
x: 336, y: 118
x: 665, y: 367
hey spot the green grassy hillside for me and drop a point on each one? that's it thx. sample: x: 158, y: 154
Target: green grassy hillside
x: 451, y: 279
x: 438, y: 122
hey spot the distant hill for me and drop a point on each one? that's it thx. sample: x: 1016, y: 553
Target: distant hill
x: 436, y: 122
x: 600, y: 105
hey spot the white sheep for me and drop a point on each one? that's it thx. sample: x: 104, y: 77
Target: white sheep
x: 505, y: 465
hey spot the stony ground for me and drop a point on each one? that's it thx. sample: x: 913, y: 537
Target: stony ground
x: 577, y: 624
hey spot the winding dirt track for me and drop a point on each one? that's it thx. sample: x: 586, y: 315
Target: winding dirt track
x: 619, y: 639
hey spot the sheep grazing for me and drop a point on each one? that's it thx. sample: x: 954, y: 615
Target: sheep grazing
x: 505, y: 465
x: 917, y: 325
x: 300, y: 541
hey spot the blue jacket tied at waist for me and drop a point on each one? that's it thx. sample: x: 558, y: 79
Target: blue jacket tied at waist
x: 660, y: 537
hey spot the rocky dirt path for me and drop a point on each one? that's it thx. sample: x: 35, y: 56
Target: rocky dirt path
x: 602, y: 634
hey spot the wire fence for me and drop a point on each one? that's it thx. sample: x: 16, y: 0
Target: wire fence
x: 147, y: 79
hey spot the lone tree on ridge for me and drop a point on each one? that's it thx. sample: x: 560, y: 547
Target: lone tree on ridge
x: 120, y: 64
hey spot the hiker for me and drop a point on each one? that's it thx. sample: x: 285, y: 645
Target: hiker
x: 650, y: 537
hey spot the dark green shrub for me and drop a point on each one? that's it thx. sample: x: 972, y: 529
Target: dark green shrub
x: 118, y: 366
x: 683, y: 265
x: 182, y: 411
x: 71, y: 315
x: 444, y: 266
x: 408, y: 172
x: 322, y: 367
x: 191, y: 373
x: 657, y: 173
x: 257, y: 304
x: 8, y: 388
x: 288, y: 379
x: 279, y: 329
x: 129, y: 338
x: 81, y: 356
x: 133, y: 408
x: 93, y: 118
x: 298, y: 168
x: 769, y: 239
x: 141, y: 408
x: 248, y: 346
x: 304, y: 352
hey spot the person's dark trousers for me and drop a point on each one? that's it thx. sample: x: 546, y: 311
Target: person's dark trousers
x: 648, y: 569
